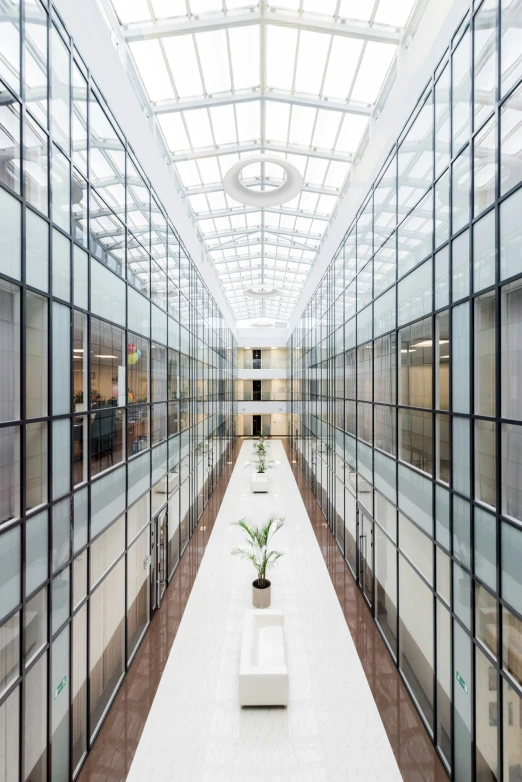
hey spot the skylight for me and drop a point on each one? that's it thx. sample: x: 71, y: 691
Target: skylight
x: 294, y: 80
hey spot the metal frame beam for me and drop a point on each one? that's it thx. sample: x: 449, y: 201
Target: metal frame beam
x: 253, y: 229
x: 349, y: 29
x: 282, y: 210
x: 217, y: 186
x: 276, y: 96
x: 258, y: 146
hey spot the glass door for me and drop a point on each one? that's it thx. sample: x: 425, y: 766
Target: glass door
x: 366, y: 555
x: 158, y: 560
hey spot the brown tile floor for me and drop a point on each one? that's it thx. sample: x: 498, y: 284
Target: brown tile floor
x: 113, y: 751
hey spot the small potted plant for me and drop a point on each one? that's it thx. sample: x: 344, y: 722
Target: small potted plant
x: 261, y: 445
x: 258, y: 539
x: 260, y: 477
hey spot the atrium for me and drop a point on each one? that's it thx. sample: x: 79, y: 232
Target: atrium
x: 260, y: 274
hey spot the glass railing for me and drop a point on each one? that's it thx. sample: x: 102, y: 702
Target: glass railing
x: 248, y: 396
x: 262, y: 363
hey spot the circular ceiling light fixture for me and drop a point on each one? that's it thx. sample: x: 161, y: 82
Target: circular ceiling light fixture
x: 276, y: 196
x: 261, y: 292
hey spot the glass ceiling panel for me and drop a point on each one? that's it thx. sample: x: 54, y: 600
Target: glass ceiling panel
x: 227, y: 92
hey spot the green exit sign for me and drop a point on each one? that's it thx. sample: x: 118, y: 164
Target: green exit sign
x: 461, y: 682
x: 60, y: 688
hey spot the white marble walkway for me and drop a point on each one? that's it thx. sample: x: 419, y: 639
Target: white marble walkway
x: 331, y: 730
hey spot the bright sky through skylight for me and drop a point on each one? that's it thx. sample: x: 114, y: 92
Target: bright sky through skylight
x: 229, y: 83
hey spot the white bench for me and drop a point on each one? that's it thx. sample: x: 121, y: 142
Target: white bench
x: 263, y: 672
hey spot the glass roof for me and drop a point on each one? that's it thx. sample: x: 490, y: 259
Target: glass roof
x: 229, y: 80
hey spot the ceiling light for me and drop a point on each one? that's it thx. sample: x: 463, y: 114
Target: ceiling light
x: 98, y: 355
x: 292, y: 185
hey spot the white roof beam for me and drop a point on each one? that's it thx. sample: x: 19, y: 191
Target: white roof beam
x: 283, y: 242
x: 255, y: 229
x: 348, y: 29
x: 257, y: 146
x: 271, y: 256
x: 268, y: 210
x: 217, y: 186
x: 276, y: 96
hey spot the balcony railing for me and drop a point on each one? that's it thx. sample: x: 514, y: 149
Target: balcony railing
x: 248, y: 396
x: 262, y: 363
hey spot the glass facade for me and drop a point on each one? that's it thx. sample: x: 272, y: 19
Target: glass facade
x: 116, y: 400
x: 406, y: 413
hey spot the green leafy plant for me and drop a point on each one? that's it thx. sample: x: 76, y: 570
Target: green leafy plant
x: 257, y: 542
x: 261, y: 444
x: 261, y: 463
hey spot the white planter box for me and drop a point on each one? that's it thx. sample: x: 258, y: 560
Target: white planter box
x: 259, y: 482
x: 263, y: 671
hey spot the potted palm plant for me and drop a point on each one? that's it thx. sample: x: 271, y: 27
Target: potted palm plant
x: 260, y: 477
x: 261, y: 445
x: 256, y: 551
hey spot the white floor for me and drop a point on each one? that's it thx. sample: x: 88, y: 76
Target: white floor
x: 196, y: 731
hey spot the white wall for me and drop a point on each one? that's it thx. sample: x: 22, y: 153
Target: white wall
x: 261, y: 374
x: 278, y: 425
x: 262, y: 337
x: 261, y: 408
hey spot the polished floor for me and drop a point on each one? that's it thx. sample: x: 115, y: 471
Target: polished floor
x: 196, y: 730
x: 116, y: 745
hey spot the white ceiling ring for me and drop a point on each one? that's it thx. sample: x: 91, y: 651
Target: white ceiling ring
x: 292, y: 185
x: 251, y: 293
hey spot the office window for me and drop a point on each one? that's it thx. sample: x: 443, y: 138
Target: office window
x: 386, y: 587
x: 510, y: 151
x: 485, y: 354
x: 511, y: 350
x: 36, y: 148
x: 415, y: 438
x: 510, y: 242
x: 415, y: 362
x: 107, y: 365
x: 10, y: 235
x: 460, y: 184
x: 461, y: 84
x: 485, y: 61
x: 510, y: 59
x: 107, y: 652
x: 416, y: 638
x: 35, y: 724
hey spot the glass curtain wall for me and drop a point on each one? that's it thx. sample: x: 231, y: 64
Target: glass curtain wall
x: 405, y: 373
x: 116, y: 400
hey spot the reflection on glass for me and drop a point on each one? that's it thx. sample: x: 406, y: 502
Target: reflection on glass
x: 485, y: 167
x: 485, y: 60
x: 35, y: 625
x: 36, y: 166
x: 415, y: 357
x: 10, y: 143
x: 416, y: 640
x: 461, y: 92
x: 486, y: 720
x: 35, y: 725
x: 35, y: 59
x: 460, y: 184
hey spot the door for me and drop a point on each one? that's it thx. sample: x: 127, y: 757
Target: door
x: 256, y: 425
x: 366, y: 555
x: 256, y: 359
x: 158, y: 564
x: 256, y: 390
